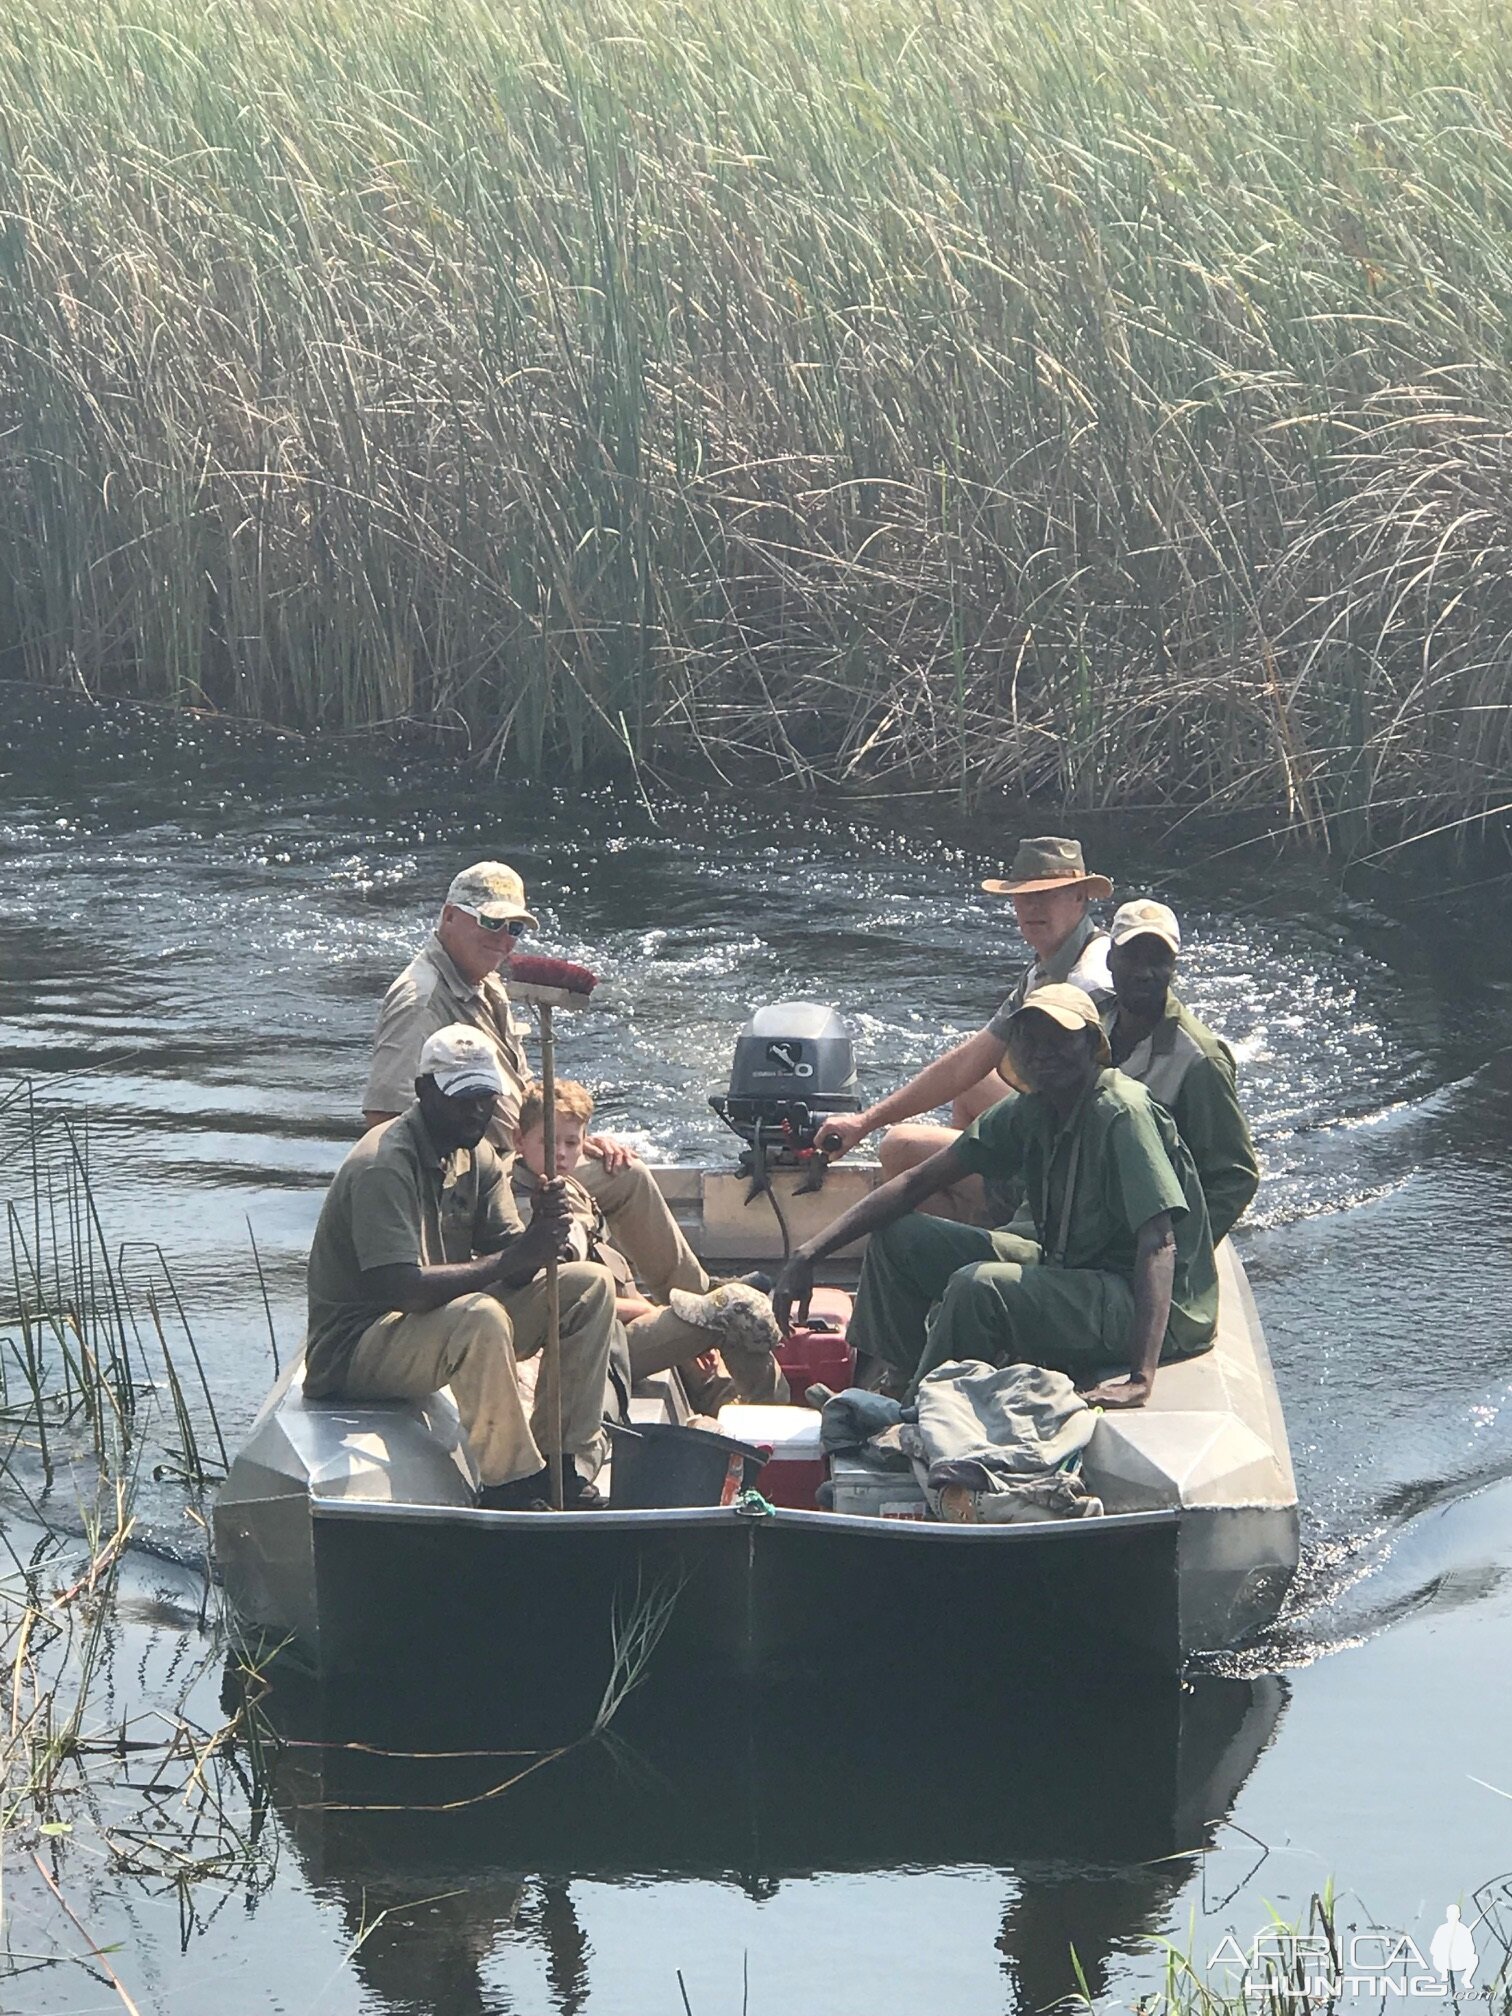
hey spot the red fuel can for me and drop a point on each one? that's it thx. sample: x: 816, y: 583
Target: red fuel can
x: 818, y: 1354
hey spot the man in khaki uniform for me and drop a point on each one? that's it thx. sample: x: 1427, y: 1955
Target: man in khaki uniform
x: 1050, y: 890
x: 1179, y: 1061
x: 1121, y: 1263
x: 456, y: 977
x: 421, y: 1275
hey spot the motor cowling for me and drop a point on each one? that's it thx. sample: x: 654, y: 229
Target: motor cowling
x: 794, y: 1065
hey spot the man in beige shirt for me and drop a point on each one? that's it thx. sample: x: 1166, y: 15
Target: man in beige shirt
x: 422, y: 1275
x: 458, y: 976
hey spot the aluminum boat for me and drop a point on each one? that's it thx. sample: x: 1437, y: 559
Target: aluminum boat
x: 346, y: 1534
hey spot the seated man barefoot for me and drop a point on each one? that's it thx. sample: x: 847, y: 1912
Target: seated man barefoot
x: 732, y: 1323
x: 421, y: 1275
x: 1050, y: 889
x: 458, y: 975
x: 1121, y: 1269
x: 1179, y: 1061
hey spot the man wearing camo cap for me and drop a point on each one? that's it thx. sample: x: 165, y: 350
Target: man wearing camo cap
x: 458, y: 976
x: 1179, y: 1060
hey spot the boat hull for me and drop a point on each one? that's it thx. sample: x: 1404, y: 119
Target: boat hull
x: 347, y: 1534
x: 796, y: 1606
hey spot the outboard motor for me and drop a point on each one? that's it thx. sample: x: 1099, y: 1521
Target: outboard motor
x: 794, y: 1066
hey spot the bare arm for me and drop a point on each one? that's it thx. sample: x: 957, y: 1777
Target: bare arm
x: 1154, y: 1278
x: 888, y: 1202
x: 372, y: 1119
x: 936, y: 1085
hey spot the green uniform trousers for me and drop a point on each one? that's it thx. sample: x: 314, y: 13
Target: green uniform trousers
x: 932, y: 1290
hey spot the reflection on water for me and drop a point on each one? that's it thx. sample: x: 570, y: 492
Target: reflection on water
x: 194, y: 934
x: 1082, y: 1811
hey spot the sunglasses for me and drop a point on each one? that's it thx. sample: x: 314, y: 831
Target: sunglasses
x: 515, y: 926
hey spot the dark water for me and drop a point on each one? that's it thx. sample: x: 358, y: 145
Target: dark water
x: 193, y: 939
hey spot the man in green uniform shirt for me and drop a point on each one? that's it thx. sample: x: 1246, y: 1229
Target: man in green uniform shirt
x: 1179, y: 1061
x: 1122, y: 1269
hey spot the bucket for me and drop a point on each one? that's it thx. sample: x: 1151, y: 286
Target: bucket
x: 658, y: 1464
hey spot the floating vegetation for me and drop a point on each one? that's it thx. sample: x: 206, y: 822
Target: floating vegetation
x: 87, y: 1338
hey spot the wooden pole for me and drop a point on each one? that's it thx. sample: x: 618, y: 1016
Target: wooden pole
x: 551, y: 1353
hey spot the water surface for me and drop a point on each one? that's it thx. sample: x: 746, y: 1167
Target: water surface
x: 194, y: 935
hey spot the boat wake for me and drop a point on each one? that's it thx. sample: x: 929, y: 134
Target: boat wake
x: 1435, y: 1545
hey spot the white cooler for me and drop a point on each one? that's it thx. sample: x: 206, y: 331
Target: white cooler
x: 797, y: 1465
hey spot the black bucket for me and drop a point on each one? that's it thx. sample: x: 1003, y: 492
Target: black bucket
x: 658, y: 1465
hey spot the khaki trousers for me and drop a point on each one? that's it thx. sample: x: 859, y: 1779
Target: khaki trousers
x: 643, y: 1228
x: 663, y: 1339
x: 471, y: 1346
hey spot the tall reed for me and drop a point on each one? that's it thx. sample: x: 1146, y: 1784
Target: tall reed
x: 1099, y: 402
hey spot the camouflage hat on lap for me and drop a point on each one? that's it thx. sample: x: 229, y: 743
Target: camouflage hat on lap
x: 734, y: 1311
x: 1049, y: 863
x: 491, y: 889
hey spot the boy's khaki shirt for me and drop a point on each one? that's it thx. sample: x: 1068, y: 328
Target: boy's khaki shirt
x: 590, y: 1229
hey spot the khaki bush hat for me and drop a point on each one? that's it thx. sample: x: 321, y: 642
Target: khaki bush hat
x: 1071, y: 1007
x: 461, y: 1062
x: 1145, y: 919
x: 1049, y: 863
x: 493, y: 889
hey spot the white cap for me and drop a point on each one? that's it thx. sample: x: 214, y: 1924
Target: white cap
x: 461, y: 1061
x: 1145, y: 919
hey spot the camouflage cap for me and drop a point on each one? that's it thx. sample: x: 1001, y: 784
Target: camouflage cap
x: 492, y: 889
x: 1049, y: 863
x: 735, y: 1311
x: 1071, y: 1007
x: 1145, y: 919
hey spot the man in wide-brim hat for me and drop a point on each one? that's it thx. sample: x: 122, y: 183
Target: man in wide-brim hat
x: 1051, y: 889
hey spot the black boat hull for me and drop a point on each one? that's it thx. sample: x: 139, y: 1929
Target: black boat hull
x: 796, y: 1605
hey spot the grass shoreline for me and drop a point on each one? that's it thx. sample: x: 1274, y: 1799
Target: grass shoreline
x: 1095, y: 407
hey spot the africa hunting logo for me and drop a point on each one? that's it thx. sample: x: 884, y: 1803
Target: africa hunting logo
x: 1464, y: 1959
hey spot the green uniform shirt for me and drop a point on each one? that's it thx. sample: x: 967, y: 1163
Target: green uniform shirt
x: 1122, y: 1161
x: 1190, y: 1071
x: 395, y: 1201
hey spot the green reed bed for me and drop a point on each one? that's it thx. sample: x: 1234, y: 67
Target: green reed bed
x: 1104, y: 400
x: 139, y: 1754
x: 95, y: 1392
